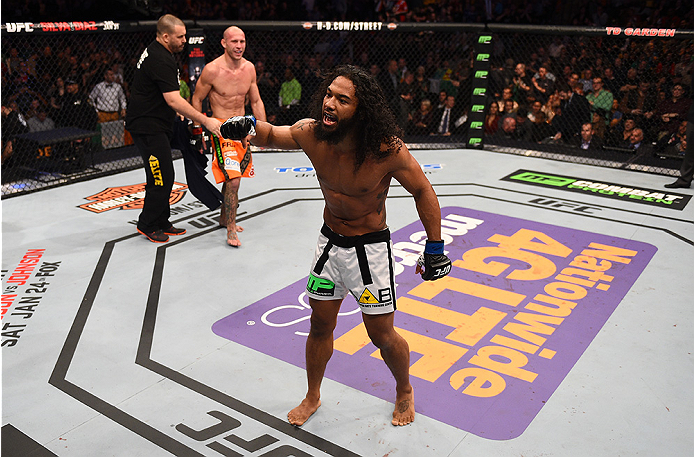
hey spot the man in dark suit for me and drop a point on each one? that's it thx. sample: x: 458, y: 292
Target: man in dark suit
x: 587, y: 138
x: 640, y: 147
x: 389, y: 80
x: 687, y: 169
x: 575, y: 111
x: 448, y: 120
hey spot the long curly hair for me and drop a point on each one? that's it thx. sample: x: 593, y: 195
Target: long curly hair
x: 373, y: 120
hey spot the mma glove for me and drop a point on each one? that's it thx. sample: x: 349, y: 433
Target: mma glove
x: 196, y: 138
x: 433, y: 263
x: 238, y: 127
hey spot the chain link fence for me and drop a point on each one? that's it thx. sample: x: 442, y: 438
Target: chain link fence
x: 531, y: 90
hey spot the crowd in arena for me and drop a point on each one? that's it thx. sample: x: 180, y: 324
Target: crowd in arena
x: 598, y: 13
x: 547, y: 90
x: 634, y: 98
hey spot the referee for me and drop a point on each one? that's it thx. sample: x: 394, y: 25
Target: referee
x: 154, y: 101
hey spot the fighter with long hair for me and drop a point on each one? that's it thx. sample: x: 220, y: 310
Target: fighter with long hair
x: 354, y: 145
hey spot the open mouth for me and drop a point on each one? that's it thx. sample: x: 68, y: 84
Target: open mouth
x: 329, y: 119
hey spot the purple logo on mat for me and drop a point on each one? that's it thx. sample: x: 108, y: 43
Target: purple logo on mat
x: 491, y: 341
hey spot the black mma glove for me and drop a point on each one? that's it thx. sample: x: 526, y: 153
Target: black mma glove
x: 196, y: 138
x: 238, y: 127
x: 433, y: 264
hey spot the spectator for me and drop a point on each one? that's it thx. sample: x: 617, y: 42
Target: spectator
x: 556, y: 47
x: 599, y: 98
x: 620, y: 137
x: 610, y: 82
x: 268, y: 86
x: 523, y: 124
x: 668, y: 115
x: 402, y: 68
x: 41, y: 122
x: 491, y: 120
x: 375, y: 71
x: 575, y: 111
x: 638, y: 145
x: 540, y: 129
x: 72, y: 70
x: 289, y: 98
x: 629, y: 83
x: 552, y: 106
x: 388, y: 80
x: 442, y: 100
x: 420, y: 120
x: 56, y: 94
x: 34, y: 109
x: 14, y: 60
x: 587, y: 80
x: 310, y: 76
x: 449, y: 119
x: 639, y: 103
x: 24, y: 97
x: 535, y: 111
x: 599, y: 125
x: 13, y: 124
x: 87, y: 74
x: 406, y: 90
x: 674, y: 144
x: 543, y: 85
x: 75, y: 110
x: 615, y: 116
x: 422, y: 84
x: 522, y: 85
x: 507, y: 130
x: 507, y: 95
x: 587, y: 139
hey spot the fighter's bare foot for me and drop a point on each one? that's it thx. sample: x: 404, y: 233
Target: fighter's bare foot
x: 403, y: 413
x: 238, y: 227
x: 232, y: 238
x: 301, y: 413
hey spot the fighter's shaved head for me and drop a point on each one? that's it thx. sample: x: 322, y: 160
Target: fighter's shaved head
x: 231, y: 30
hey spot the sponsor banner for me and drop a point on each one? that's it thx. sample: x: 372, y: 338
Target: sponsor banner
x: 347, y: 26
x: 629, y: 31
x: 196, y: 56
x: 309, y: 171
x: 127, y: 197
x: 642, y: 195
x: 22, y: 293
x: 491, y: 341
x: 481, y: 67
x: 53, y: 27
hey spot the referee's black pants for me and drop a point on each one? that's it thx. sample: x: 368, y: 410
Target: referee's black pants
x: 155, y: 150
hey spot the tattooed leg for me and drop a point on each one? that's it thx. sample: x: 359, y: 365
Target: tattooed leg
x: 228, y: 218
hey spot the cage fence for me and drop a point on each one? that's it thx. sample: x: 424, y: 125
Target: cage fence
x: 608, y: 97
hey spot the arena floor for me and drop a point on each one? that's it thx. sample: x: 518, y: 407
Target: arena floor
x: 564, y: 329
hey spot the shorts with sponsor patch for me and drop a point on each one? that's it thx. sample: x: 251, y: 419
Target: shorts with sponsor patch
x: 237, y: 161
x: 361, y: 265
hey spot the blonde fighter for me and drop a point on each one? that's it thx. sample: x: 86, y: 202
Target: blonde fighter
x: 227, y: 80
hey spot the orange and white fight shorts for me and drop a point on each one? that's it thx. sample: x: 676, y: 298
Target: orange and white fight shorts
x: 237, y: 161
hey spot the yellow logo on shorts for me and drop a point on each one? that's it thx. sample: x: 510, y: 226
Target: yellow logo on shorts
x: 367, y: 297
